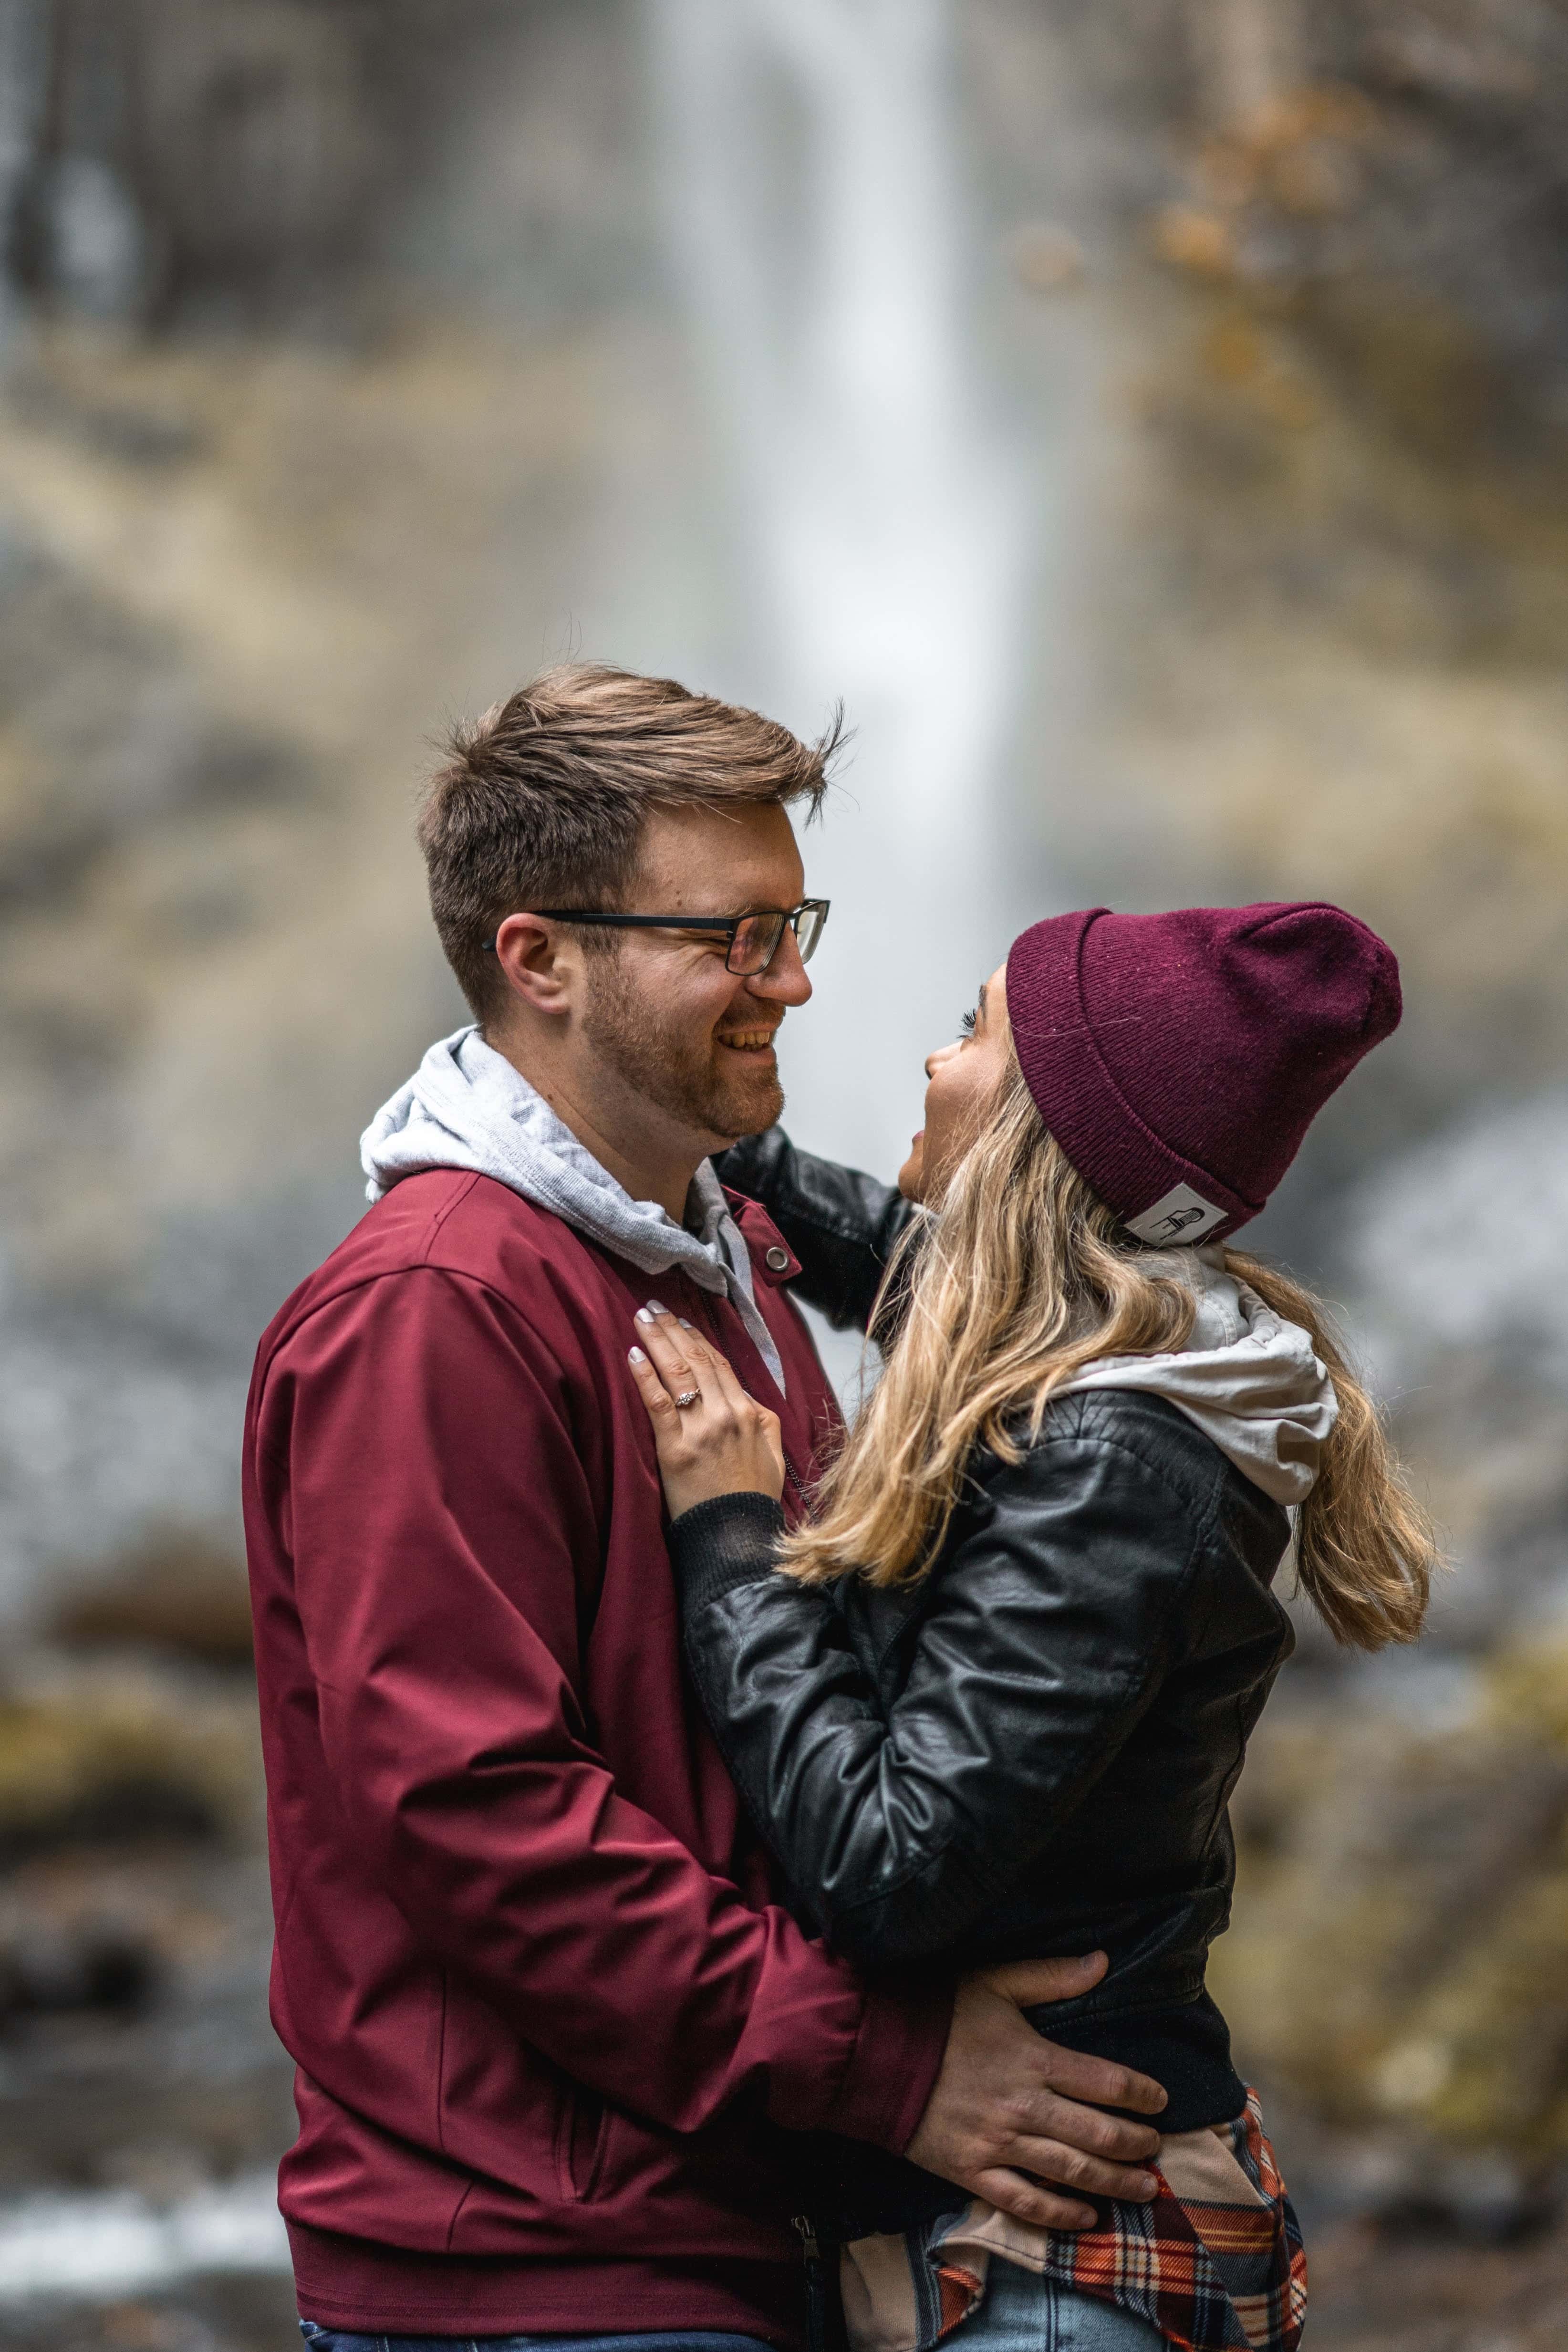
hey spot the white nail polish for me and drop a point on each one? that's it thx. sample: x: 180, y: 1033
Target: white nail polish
x: 656, y: 1307
x: 684, y: 1325
x: 644, y: 1315
x: 635, y: 1356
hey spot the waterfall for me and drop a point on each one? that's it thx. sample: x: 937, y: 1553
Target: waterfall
x: 818, y: 226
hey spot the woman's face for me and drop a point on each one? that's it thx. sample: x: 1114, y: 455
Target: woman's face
x: 963, y: 1078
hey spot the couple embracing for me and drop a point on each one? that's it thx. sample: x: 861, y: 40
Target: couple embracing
x: 735, y: 1880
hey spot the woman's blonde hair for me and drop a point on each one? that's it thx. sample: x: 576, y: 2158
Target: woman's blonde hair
x: 1023, y: 1278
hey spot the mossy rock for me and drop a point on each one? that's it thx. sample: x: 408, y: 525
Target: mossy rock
x: 124, y: 1756
x: 174, y: 1592
x: 1398, y: 1955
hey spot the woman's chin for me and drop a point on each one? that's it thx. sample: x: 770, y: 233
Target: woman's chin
x: 908, y: 1179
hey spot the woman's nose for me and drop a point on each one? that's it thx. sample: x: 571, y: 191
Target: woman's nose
x: 934, y: 1060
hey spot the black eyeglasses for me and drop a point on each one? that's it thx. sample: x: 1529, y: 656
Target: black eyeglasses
x: 753, y: 939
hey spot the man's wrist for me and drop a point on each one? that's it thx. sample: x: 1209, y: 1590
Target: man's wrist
x: 898, y: 2055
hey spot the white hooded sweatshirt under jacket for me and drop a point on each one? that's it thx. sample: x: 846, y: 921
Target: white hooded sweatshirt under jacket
x: 466, y: 1107
x: 1250, y: 1381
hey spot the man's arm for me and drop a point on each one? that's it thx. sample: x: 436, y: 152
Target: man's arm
x: 438, y: 1514
x: 435, y: 1504
x: 842, y: 1227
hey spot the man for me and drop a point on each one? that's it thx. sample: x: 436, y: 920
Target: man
x: 556, y: 2040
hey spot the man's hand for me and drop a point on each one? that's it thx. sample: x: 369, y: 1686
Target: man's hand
x: 1006, y: 2103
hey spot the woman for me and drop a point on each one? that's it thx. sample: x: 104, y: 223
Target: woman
x: 997, y: 1702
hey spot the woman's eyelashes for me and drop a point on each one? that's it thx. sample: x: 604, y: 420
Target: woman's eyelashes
x: 967, y: 1025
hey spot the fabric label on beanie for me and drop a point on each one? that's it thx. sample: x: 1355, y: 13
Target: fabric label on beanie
x: 1180, y: 1215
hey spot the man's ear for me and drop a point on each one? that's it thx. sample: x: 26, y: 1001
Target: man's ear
x: 539, y: 963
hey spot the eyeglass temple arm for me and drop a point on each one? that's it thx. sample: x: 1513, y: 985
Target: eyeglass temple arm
x: 730, y: 923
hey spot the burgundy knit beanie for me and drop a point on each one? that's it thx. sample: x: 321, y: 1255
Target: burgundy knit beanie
x: 1179, y: 1059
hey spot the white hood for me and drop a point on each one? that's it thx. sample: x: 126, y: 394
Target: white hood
x: 466, y: 1106
x: 1250, y: 1380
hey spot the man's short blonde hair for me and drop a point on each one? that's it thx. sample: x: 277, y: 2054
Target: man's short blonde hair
x: 541, y: 802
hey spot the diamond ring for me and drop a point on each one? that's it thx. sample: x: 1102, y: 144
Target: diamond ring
x: 688, y: 1397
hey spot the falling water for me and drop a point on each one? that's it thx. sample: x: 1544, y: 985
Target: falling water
x: 820, y: 225
x: 99, y: 2242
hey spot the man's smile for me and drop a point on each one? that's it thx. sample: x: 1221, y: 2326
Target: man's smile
x: 748, y: 1041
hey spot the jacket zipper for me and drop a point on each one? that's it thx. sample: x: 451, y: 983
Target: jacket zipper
x: 824, y: 2312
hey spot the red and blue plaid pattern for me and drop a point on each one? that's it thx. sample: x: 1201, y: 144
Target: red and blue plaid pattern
x: 1210, y: 2276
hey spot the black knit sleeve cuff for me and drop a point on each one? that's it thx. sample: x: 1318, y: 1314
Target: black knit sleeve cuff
x: 715, y: 1545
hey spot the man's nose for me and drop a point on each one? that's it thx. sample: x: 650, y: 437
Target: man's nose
x: 784, y: 980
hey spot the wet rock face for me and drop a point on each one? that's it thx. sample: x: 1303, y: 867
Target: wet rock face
x: 193, y: 153
x: 225, y: 162
x: 1401, y: 161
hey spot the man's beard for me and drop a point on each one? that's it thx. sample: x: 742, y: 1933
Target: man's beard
x: 674, y: 1072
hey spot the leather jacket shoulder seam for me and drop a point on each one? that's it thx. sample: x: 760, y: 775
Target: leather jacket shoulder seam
x: 1204, y: 1510
x: 1113, y: 1439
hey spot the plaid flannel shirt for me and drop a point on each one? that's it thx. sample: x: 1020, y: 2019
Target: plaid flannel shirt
x: 1216, y: 2263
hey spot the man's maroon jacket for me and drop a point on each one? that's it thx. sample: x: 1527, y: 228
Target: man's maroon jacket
x: 554, y: 2034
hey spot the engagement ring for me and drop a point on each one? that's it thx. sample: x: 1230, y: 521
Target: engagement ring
x: 686, y: 1397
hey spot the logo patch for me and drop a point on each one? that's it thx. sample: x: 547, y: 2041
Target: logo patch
x: 1181, y: 1216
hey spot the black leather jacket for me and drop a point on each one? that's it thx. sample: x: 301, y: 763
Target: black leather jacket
x: 1031, y: 1752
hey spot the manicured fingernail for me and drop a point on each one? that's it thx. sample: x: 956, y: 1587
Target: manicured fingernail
x: 635, y: 1356
x: 654, y: 1308
x: 684, y: 1325
x: 644, y: 1315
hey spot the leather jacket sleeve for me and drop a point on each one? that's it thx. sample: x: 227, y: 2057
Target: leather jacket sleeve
x: 841, y: 1225
x: 1037, y: 1645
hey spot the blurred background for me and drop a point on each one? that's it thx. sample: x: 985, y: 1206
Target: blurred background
x: 1151, y: 418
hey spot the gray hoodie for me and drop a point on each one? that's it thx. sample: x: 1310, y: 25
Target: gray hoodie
x: 466, y: 1106
x: 1250, y: 1380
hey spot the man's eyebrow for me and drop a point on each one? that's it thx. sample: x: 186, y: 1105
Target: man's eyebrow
x: 754, y: 905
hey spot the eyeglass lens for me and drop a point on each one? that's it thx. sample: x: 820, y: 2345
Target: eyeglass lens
x: 756, y: 938
x: 756, y: 942
x: 809, y: 930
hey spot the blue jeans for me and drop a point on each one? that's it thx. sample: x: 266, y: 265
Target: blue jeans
x: 331, y: 2339
x: 1021, y: 2313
